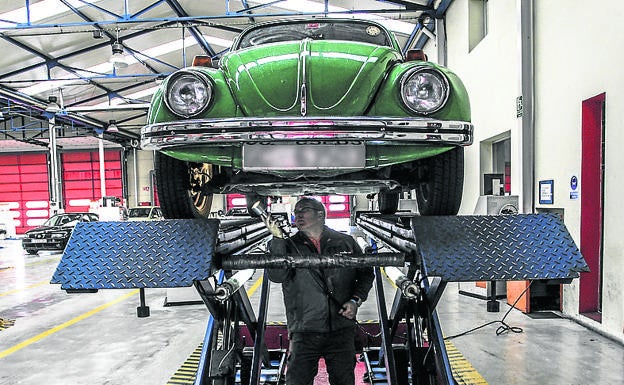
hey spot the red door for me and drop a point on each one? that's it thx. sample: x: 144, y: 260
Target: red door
x: 24, y: 189
x: 81, y: 178
x: 592, y: 182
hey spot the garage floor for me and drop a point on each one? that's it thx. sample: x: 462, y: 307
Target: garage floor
x: 50, y: 337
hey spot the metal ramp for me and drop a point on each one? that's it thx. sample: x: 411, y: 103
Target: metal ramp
x: 217, y: 257
x: 125, y: 255
x: 461, y: 248
x: 483, y: 247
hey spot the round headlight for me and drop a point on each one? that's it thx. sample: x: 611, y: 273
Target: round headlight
x: 424, y: 90
x: 188, y: 93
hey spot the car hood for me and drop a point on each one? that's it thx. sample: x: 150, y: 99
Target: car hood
x: 329, y: 77
x: 43, y: 229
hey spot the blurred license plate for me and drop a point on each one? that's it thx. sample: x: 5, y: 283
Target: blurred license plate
x: 39, y: 241
x: 303, y: 156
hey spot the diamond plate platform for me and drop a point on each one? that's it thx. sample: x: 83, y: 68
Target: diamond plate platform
x: 497, y: 247
x: 121, y: 255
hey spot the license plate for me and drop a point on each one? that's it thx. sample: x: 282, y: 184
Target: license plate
x: 303, y: 156
x: 39, y: 240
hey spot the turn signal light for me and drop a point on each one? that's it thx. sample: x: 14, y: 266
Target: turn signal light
x: 416, y: 55
x: 202, y: 61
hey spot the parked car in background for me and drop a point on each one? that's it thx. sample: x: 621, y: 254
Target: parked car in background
x: 55, y: 232
x: 145, y: 213
x: 314, y: 106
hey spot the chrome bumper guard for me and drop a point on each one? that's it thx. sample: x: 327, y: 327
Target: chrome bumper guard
x: 379, y: 130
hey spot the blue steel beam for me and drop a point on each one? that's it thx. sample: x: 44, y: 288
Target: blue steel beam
x: 422, y: 40
x: 246, y: 6
x: 110, y: 37
x: 239, y: 14
x: 50, y: 62
x: 437, y: 13
x: 79, y: 52
x: 442, y: 8
x: 194, y: 31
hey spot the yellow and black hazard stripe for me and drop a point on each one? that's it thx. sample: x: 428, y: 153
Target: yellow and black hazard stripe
x: 463, y: 372
x: 187, y: 372
x: 6, y: 323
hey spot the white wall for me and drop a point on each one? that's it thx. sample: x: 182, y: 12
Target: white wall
x: 578, y: 54
x: 566, y: 75
x: 490, y: 73
x: 139, y: 185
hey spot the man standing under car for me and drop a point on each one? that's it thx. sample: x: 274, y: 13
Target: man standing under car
x: 321, y: 304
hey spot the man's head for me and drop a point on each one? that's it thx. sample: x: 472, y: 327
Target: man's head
x: 309, y: 214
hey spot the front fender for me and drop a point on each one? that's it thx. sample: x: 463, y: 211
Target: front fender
x: 388, y: 101
x: 223, y: 104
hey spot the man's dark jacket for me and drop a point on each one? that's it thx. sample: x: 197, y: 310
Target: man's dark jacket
x: 311, y: 305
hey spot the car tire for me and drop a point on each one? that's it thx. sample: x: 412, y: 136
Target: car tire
x: 181, y: 187
x: 388, y: 201
x: 32, y: 251
x: 440, y: 183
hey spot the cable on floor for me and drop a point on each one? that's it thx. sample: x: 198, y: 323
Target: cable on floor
x: 504, y: 327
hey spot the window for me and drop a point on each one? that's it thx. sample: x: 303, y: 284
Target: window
x: 477, y: 22
x: 501, y: 162
x: 294, y: 31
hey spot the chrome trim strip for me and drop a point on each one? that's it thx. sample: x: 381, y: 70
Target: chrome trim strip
x: 235, y: 130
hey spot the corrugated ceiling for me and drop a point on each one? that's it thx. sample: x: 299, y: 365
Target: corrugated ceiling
x: 61, y: 48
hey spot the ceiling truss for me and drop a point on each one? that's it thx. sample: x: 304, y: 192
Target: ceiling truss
x: 57, y: 55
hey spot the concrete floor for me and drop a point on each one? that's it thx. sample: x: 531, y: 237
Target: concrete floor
x: 74, y: 339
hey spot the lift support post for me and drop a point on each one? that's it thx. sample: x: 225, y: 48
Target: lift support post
x: 240, y: 348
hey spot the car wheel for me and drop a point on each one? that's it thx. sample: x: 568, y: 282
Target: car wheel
x: 388, y: 201
x: 440, y: 183
x: 253, y: 198
x: 182, y: 187
x: 32, y: 251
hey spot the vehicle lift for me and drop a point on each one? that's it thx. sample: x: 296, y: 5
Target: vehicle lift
x: 405, y: 346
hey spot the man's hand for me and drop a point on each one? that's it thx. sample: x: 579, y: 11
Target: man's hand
x: 273, y: 227
x: 349, y: 310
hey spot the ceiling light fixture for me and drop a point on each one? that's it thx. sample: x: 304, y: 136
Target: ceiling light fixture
x: 112, y: 126
x: 118, y: 59
x: 53, y: 106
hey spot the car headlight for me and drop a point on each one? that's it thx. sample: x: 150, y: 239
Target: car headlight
x: 424, y: 90
x: 188, y: 93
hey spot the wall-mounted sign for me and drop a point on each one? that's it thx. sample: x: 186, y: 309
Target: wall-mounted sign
x: 574, y: 194
x: 519, y: 107
x: 546, y: 192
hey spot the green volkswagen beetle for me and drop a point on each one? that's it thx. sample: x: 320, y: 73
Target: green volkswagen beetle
x: 316, y: 106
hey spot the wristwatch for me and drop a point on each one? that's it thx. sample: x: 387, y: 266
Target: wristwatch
x: 356, y: 300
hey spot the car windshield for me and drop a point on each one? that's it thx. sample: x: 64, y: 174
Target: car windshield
x: 327, y: 30
x: 63, y: 220
x: 141, y: 212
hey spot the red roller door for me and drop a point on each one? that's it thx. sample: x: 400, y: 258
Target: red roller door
x: 24, y: 189
x: 81, y: 178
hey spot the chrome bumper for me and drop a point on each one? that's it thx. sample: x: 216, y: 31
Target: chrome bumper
x: 378, y: 130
